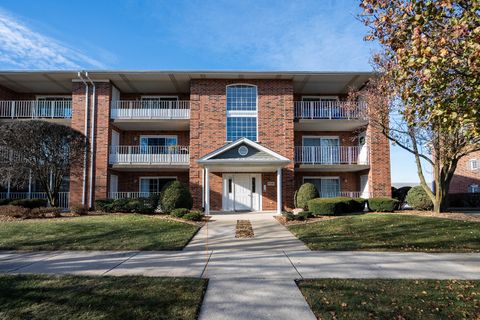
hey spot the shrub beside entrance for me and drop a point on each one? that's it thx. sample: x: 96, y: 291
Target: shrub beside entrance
x: 335, y: 206
x: 305, y: 193
x: 382, y: 204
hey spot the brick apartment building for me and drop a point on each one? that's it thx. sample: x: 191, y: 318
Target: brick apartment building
x: 240, y: 140
x: 467, y: 175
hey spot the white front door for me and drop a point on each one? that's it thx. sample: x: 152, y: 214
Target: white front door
x: 241, y: 192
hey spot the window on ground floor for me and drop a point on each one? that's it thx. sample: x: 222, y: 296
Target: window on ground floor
x: 327, y: 187
x: 154, y: 184
x: 474, y: 188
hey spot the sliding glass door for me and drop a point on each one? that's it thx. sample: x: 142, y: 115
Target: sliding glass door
x: 321, y: 150
x: 327, y: 187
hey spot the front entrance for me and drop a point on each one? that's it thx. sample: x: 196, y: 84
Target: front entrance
x: 241, y: 192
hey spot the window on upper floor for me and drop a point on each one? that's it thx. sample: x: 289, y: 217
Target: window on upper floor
x: 473, y: 164
x: 241, y: 112
x: 474, y: 188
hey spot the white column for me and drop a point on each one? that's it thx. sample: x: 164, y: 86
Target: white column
x: 30, y: 185
x: 279, y: 190
x: 207, y: 192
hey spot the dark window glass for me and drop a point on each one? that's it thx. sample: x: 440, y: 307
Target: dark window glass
x: 253, y: 185
x: 229, y: 185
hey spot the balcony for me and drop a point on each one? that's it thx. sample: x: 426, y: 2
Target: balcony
x: 35, y: 109
x: 149, y: 157
x: 341, y: 158
x: 151, y: 115
x: 329, y: 115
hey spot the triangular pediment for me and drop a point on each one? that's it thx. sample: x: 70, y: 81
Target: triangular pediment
x: 243, y: 150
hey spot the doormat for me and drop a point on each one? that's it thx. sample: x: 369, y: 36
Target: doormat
x: 244, y: 229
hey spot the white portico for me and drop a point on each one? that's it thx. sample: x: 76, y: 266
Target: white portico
x: 241, y: 164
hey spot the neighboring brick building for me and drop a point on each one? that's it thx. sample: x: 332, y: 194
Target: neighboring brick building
x: 240, y: 140
x: 467, y: 175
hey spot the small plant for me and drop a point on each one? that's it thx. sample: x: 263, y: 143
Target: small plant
x: 418, y: 199
x: 43, y: 212
x: 79, y: 209
x: 289, y: 216
x: 304, y: 215
x: 175, y: 195
x: 14, y: 211
x: 305, y: 193
x: 4, y: 202
x: 104, y: 205
x: 194, y: 215
x: 179, y: 212
x: 30, y: 203
x: 382, y: 204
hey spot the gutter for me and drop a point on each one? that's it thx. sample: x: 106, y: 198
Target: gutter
x: 92, y: 143
x: 84, y: 183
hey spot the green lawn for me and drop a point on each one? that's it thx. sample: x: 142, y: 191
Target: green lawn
x: 107, y: 232
x: 80, y: 297
x: 394, y: 232
x: 392, y: 299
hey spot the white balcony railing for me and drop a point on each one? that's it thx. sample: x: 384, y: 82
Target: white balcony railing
x: 138, y: 109
x: 35, y: 109
x: 332, y: 155
x: 149, y: 155
x: 349, y: 194
x: 63, y: 197
x: 130, y: 195
x: 328, y: 110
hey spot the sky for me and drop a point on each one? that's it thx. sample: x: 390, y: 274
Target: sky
x: 276, y: 35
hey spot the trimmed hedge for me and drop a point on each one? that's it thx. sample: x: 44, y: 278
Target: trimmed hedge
x: 330, y: 206
x: 194, y: 215
x: 464, y: 200
x: 175, y: 195
x: 30, y: 203
x: 305, y: 193
x: 179, y: 212
x: 4, y: 202
x: 418, y: 199
x: 140, y: 205
x: 382, y: 204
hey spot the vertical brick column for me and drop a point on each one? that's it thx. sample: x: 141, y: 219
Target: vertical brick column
x: 379, y: 181
x: 78, y: 123
x: 102, y: 139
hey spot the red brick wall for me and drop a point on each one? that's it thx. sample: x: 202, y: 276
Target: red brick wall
x: 464, y: 176
x: 379, y: 180
x: 103, y: 136
x: 208, y: 128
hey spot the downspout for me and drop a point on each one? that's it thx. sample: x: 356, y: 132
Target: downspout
x: 92, y: 138
x: 84, y: 184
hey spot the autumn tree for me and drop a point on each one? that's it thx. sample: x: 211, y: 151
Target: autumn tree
x: 44, y: 150
x: 428, y: 82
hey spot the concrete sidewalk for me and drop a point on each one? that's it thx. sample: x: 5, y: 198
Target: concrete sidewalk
x: 249, y: 278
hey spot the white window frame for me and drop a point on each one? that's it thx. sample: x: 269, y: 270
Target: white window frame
x: 37, y: 97
x: 157, y: 97
x: 325, y: 177
x: 152, y: 177
x: 473, y: 188
x: 320, y: 97
x: 157, y: 136
x: 470, y: 164
x: 321, y: 137
x: 239, y: 113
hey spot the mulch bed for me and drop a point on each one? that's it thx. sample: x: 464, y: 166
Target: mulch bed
x: 244, y: 229
x: 447, y: 215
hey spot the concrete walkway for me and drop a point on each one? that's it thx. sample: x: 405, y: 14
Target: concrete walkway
x: 249, y: 278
